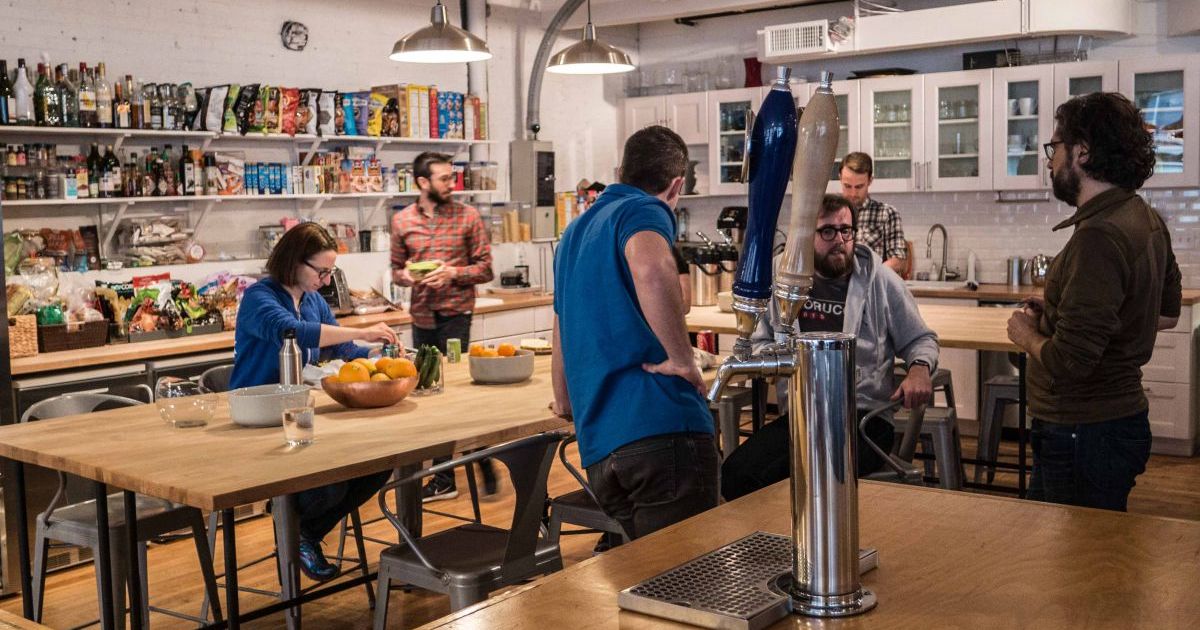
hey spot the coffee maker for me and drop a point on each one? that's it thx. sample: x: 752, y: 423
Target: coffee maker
x: 732, y: 221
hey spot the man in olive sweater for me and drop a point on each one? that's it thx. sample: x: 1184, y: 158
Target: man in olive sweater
x: 1108, y: 292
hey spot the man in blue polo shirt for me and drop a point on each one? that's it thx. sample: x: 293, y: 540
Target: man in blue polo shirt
x: 623, y: 366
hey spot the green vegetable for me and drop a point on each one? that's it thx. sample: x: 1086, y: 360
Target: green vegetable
x: 435, y: 368
x: 429, y: 366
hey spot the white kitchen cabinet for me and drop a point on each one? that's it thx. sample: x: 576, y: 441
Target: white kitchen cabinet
x: 846, y: 94
x: 958, y: 131
x: 543, y: 318
x: 1168, y: 380
x: 1167, y: 90
x: 892, y: 121
x: 728, y: 125
x: 1023, y: 118
x: 1082, y: 77
x: 685, y: 114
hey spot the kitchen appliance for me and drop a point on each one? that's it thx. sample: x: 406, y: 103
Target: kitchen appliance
x: 1039, y: 267
x: 337, y: 293
x: 705, y: 272
x: 682, y: 219
x: 732, y: 221
x: 532, y: 181
x: 727, y: 257
x: 518, y: 276
x: 1016, y: 267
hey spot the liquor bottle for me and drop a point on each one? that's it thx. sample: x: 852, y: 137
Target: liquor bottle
x: 156, y: 106
x: 212, y: 175
x: 170, y: 111
x: 166, y: 173
x: 149, y: 186
x: 23, y: 95
x: 104, y: 98
x: 8, y: 104
x: 112, y: 171
x: 187, y: 170
x: 133, y: 93
x: 45, y: 100
x: 120, y: 107
x: 145, y: 91
x: 94, y: 166
x: 82, y: 183
x: 87, y: 98
x: 68, y: 98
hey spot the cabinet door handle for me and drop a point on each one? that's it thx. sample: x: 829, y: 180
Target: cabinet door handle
x: 916, y: 175
x: 929, y: 175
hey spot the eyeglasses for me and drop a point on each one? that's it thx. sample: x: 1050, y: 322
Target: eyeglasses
x: 830, y: 232
x: 1049, y: 148
x: 323, y: 274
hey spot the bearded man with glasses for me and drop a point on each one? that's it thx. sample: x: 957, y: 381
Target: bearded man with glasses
x: 853, y: 292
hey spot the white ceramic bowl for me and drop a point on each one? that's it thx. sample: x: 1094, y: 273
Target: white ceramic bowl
x: 501, y: 370
x: 263, y: 405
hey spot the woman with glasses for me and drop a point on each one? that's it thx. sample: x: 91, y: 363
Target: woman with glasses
x: 300, y: 264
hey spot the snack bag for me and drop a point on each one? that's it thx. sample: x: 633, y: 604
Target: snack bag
x: 375, y: 114
x: 327, y: 106
x: 229, y: 117
x: 289, y: 103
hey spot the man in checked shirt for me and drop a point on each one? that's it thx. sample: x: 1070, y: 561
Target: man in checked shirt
x: 437, y: 228
x: 878, y: 223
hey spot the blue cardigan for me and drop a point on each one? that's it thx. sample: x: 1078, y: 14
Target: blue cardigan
x: 265, y: 313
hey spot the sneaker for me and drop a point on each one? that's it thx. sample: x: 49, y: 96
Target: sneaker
x: 313, y: 563
x: 438, y: 491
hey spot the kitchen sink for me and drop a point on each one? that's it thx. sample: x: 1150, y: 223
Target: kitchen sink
x: 481, y: 302
x: 935, y: 285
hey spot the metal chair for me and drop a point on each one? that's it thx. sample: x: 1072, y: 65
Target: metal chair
x: 939, y: 437
x: 216, y: 379
x: 469, y: 561
x: 579, y: 507
x: 998, y: 392
x: 727, y: 413
x: 900, y: 470
x: 140, y: 392
x: 76, y: 523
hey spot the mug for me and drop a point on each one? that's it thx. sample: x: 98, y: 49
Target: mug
x: 1016, y: 144
x: 1027, y: 106
x: 1013, y: 108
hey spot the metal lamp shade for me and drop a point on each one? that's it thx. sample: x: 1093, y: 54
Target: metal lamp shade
x: 590, y: 56
x: 440, y: 42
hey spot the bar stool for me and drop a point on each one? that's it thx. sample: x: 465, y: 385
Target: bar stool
x: 728, y: 412
x: 998, y: 392
x: 939, y: 437
x: 942, y: 381
x: 579, y: 507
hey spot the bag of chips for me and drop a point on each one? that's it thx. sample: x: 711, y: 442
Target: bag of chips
x: 375, y: 114
x: 327, y: 106
x: 362, y: 111
x: 306, y: 111
x: 289, y: 102
x: 229, y: 119
x: 349, y: 124
x: 244, y: 109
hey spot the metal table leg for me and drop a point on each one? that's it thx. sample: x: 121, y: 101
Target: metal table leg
x: 231, y: 576
x: 287, y: 543
x: 408, y: 501
x: 103, y: 563
x: 22, y: 519
x: 1021, y: 435
x: 135, y: 572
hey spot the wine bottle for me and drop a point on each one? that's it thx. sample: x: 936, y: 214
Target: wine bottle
x: 87, y: 98
x: 104, y: 98
x: 23, y: 95
x: 8, y: 104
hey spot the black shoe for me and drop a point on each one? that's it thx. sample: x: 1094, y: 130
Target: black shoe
x: 313, y: 563
x: 437, y: 490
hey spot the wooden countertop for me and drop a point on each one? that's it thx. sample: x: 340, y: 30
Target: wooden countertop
x: 125, y: 352
x: 224, y: 465
x: 968, y: 327
x: 946, y: 560
x: 1005, y: 293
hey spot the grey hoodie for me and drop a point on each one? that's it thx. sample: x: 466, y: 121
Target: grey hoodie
x: 883, y: 316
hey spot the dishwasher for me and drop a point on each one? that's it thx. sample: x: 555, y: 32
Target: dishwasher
x: 41, y: 483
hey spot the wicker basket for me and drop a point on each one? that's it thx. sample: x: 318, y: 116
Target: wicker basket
x: 22, y: 336
x: 72, y: 337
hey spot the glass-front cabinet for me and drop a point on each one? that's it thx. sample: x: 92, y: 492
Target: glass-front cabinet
x: 1167, y: 92
x: 892, y: 118
x: 845, y: 93
x: 1082, y: 77
x: 958, y: 131
x: 729, y: 122
x: 1023, y: 120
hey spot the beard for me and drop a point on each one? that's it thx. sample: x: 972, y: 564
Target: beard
x: 437, y: 197
x: 829, y: 268
x: 1066, y: 185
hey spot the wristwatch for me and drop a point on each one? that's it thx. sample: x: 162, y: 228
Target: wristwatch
x: 921, y: 362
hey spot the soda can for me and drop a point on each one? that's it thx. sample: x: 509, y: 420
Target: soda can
x: 706, y: 340
x: 390, y: 350
x: 454, y: 350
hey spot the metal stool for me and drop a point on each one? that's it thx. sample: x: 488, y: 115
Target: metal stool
x: 939, y: 437
x: 728, y: 411
x: 579, y: 507
x: 998, y: 392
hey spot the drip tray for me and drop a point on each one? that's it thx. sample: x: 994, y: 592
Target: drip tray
x: 728, y: 588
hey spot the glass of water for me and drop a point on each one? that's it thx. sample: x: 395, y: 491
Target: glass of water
x: 298, y: 423
x: 184, y: 404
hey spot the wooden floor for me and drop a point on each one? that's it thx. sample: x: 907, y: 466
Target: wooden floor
x: 1167, y: 488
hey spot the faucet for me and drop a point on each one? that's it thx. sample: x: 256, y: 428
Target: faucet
x: 941, y: 270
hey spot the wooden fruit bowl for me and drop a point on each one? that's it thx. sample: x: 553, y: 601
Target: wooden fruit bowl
x: 370, y: 394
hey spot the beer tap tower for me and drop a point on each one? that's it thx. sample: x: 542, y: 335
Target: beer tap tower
x: 824, y: 581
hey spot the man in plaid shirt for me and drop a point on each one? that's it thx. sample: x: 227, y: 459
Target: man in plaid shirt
x: 437, y: 228
x: 878, y: 223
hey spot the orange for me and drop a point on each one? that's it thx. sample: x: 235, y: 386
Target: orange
x: 489, y: 352
x: 401, y: 368
x: 506, y: 350
x: 381, y: 364
x: 476, y: 350
x: 367, y: 363
x: 380, y: 376
x: 354, y: 372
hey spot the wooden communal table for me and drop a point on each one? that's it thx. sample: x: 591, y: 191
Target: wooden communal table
x: 962, y: 327
x: 224, y: 465
x: 946, y: 560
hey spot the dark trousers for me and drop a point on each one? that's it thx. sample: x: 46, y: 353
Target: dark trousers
x: 763, y: 459
x: 657, y: 481
x: 1091, y: 465
x: 321, y: 509
x: 449, y: 327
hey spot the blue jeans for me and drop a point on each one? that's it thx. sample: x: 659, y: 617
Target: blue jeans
x: 657, y: 481
x: 1090, y: 465
x: 321, y: 509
